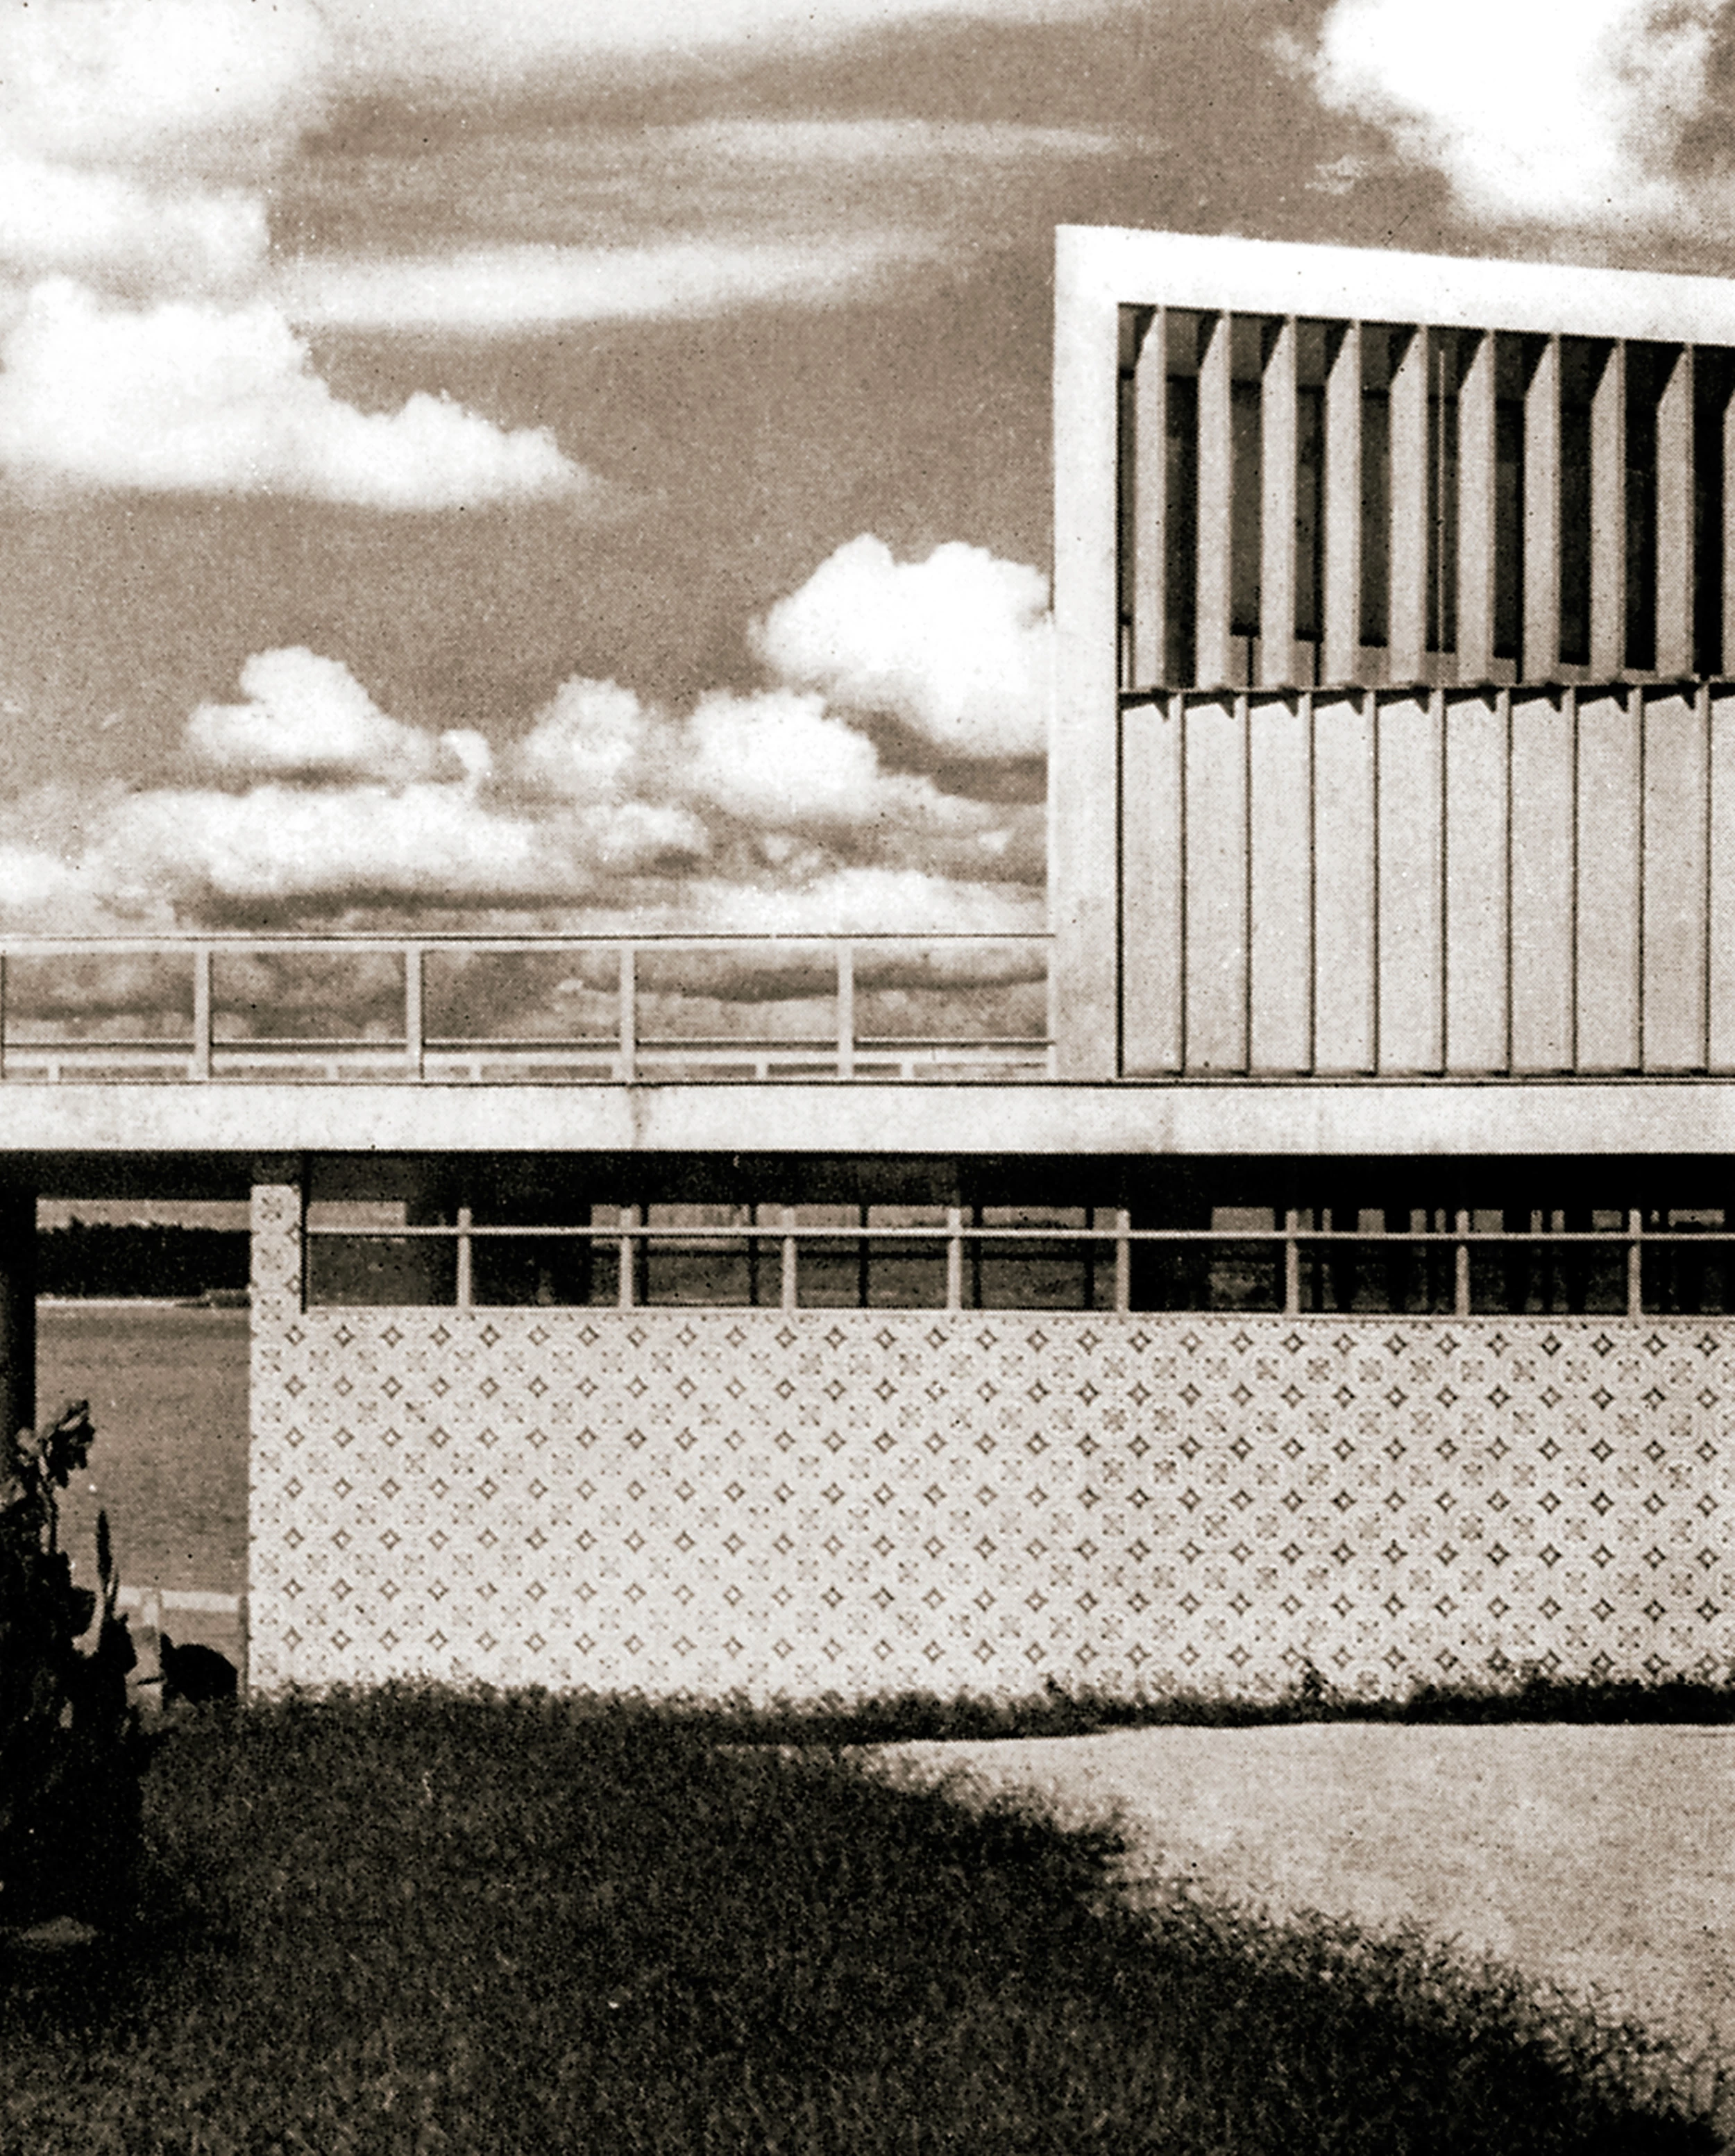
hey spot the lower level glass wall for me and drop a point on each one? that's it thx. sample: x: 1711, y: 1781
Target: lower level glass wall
x: 1458, y: 1237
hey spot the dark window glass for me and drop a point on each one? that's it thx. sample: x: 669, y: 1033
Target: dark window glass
x: 1682, y: 1282
x: 1310, y: 512
x: 382, y: 1270
x: 1376, y: 516
x: 1643, y: 386
x: 1443, y: 497
x: 1508, y: 527
x: 1575, y: 535
x: 1538, y: 1278
x: 541, y: 1269
x: 1037, y: 1275
x: 1246, y: 451
x: 706, y: 1270
x: 1181, y: 566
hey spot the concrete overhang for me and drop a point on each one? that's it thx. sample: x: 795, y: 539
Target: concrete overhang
x: 155, y: 1132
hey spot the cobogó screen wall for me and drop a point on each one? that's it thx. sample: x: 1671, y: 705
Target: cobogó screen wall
x: 818, y: 1502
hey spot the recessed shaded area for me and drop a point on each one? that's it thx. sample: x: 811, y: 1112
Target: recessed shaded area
x: 1464, y: 1238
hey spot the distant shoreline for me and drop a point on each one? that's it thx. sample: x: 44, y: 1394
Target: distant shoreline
x: 141, y: 1302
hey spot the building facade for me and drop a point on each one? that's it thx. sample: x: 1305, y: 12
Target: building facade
x: 1317, y: 1252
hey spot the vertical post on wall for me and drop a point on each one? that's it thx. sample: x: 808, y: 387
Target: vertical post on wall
x: 1291, y: 1264
x: 1635, y: 1263
x: 2, y: 1014
x: 1675, y: 513
x: 954, y: 1257
x: 1215, y: 584
x: 464, y: 1295
x: 790, y: 1298
x: 846, y: 1009
x: 1147, y: 568
x: 1123, y: 1260
x: 1343, y: 510
x: 201, y: 1011
x: 1277, y: 510
x: 1084, y: 734
x: 1408, y: 631
x: 17, y: 1309
x: 1475, y: 514
x: 627, y: 1069
x: 1460, y: 1264
x: 1608, y: 517
x: 1541, y: 518
x: 414, y: 1028
x: 1727, y: 667
x: 626, y: 1294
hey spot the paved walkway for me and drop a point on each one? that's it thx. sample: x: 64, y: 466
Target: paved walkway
x: 1602, y: 1859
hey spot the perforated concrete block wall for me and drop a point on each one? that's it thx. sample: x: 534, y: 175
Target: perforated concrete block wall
x: 852, y: 1502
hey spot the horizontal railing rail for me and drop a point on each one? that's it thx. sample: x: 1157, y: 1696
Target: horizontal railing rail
x: 206, y: 1037
x: 963, y: 1239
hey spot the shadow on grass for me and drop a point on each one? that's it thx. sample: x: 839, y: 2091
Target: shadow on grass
x: 1522, y: 1695
x: 422, y: 1921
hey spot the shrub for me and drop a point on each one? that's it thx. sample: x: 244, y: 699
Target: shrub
x: 72, y: 1752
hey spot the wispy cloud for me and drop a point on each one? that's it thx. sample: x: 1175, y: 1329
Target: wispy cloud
x: 138, y: 139
x: 499, y: 290
x: 511, y: 41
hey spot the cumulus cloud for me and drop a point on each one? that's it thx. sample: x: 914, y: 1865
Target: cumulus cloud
x: 585, y: 745
x: 132, y: 135
x: 173, y: 82
x: 35, y: 883
x: 135, y: 137
x: 771, y: 809
x: 873, y: 901
x: 956, y: 647
x: 308, y: 717
x: 112, y: 226
x: 188, y: 397
x: 1576, y: 121
x: 779, y: 761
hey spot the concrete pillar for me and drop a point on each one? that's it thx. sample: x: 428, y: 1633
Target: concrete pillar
x: 17, y: 1309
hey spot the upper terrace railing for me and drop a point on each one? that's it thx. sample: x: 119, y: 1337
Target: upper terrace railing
x: 546, y: 1008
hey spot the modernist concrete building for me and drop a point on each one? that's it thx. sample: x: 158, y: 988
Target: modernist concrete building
x: 1319, y: 1250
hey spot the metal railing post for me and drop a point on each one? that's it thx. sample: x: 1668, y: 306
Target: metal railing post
x: 629, y: 1014
x: 1460, y: 1266
x: 1123, y: 1260
x: 790, y: 1297
x: 201, y: 1013
x: 954, y: 1257
x: 846, y: 1009
x: 1635, y: 1263
x: 415, y: 1032
x: 465, y: 1277
x: 626, y: 1294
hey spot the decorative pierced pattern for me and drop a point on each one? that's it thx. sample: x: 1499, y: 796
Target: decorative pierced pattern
x: 823, y: 1502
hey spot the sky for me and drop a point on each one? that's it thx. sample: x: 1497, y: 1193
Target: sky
x: 540, y: 465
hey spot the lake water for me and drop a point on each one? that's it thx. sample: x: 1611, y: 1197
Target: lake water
x: 167, y: 1389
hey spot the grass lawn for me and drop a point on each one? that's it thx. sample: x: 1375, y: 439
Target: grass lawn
x: 417, y: 1922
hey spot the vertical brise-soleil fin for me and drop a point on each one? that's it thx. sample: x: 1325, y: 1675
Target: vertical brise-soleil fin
x: 1308, y: 502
